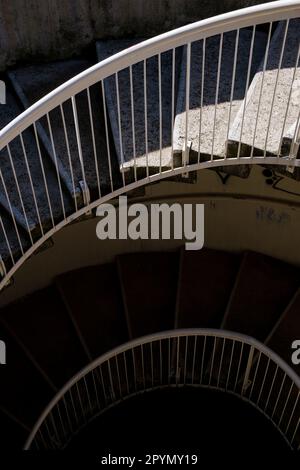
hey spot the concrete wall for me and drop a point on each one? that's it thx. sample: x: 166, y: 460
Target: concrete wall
x: 35, y: 30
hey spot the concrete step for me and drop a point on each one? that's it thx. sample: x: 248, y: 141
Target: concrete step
x: 93, y: 299
x: 263, y: 289
x: 212, y: 141
x: 149, y: 284
x: 203, y: 306
x: 286, y: 330
x: 24, y: 392
x: 13, y: 434
x: 106, y: 48
x: 18, y: 165
x: 32, y: 83
x: 62, y: 355
x: 263, y: 124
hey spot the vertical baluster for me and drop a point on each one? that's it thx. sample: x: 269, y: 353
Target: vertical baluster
x: 120, y: 126
x: 126, y: 373
x: 177, y: 361
x: 146, y: 116
x: 43, y: 172
x: 112, y: 388
x: 173, y: 105
x: 187, y: 104
x: 87, y: 393
x: 185, y: 359
x: 288, y: 103
x: 31, y: 184
x: 292, y: 415
x: 230, y: 364
x: 11, y: 212
x: 7, y: 242
x: 107, y: 137
x: 143, y: 366
x: 151, y: 364
x: 160, y: 364
x: 80, y: 401
x: 263, y: 382
x: 202, y: 92
x: 278, y: 396
x: 132, y: 121
x: 118, y: 376
x: 160, y: 112
x: 202, y: 361
x: 295, y: 432
x: 96, y: 389
x: 239, y: 366
x: 217, y: 95
x: 134, y: 370
x: 93, y: 140
x: 221, y: 363
x: 212, y: 361
x: 262, y: 86
x: 19, y: 192
x: 285, y: 405
x: 79, y: 148
x: 69, y: 154
x: 194, y: 358
x: 56, y: 165
x: 246, y: 89
x: 275, y: 86
x: 271, y: 388
x: 236, y: 48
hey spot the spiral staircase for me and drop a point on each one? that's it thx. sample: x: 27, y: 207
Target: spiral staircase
x: 219, y: 94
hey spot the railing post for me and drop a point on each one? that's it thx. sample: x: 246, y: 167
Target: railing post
x: 248, y: 369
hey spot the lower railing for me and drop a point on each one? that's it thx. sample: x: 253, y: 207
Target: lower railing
x: 215, y: 359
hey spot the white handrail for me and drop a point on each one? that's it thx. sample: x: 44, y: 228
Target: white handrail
x: 256, y: 346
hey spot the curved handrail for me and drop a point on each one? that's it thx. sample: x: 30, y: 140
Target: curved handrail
x: 245, y: 17
x: 256, y: 348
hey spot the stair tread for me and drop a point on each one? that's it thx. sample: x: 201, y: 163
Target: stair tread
x: 24, y: 392
x: 47, y: 333
x: 106, y: 48
x: 212, y: 142
x: 33, y: 82
x: 263, y: 289
x: 269, y: 124
x: 149, y: 283
x: 212, y: 269
x: 286, y: 331
x: 8, y: 112
x: 92, y: 296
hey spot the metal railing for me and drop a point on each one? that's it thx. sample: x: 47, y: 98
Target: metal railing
x: 62, y: 107
x: 216, y: 359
